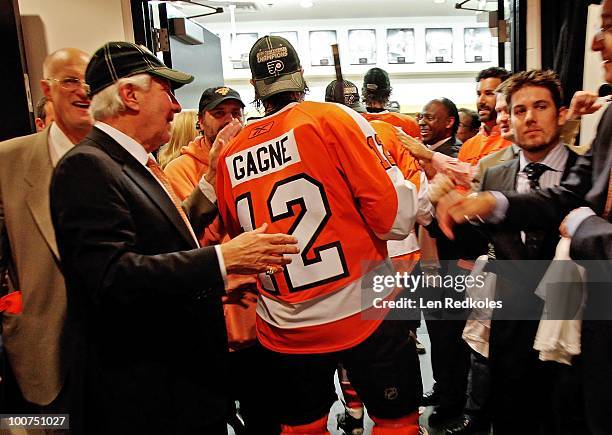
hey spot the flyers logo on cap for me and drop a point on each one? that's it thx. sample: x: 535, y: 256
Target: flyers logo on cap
x: 275, y: 66
x: 222, y: 91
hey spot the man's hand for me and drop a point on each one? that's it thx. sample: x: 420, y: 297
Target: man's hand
x: 428, y: 168
x: 257, y: 252
x: 438, y: 187
x: 583, y: 103
x: 452, y: 210
x: 573, y: 220
x: 226, y: 134
x: 241, y: 290
x: 416, y: 148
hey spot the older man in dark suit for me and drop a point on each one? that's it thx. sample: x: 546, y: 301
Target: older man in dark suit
x: 148, y: 299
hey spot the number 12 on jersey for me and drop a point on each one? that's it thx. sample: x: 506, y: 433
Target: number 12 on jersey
x: 312, y: 266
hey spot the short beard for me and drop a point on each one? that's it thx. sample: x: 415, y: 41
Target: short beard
x: 539, y: 148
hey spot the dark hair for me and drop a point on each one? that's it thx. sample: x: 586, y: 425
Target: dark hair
x: 375, y: 96
x: 40, y: 108
x: 451, y: 110
x: 278, y: 101
x: 475, y: 124
x: 493, y: 72
x: 539, y: 78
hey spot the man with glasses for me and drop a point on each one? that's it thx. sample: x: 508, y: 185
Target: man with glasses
x: 38, y: 340
x: 469, y: 123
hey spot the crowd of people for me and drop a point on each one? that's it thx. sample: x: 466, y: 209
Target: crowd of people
x: 175, y: 272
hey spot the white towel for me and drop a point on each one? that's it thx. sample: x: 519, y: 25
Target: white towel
x: 478, y: 326
x: 559, y: 340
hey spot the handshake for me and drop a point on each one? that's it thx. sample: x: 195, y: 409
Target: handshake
x: 454, y: 208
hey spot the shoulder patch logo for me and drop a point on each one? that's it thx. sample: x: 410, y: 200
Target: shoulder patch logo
x: 261, y: 129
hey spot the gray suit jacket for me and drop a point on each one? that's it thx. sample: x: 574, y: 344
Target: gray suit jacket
x: 586, y: 185
x: 37, y: 341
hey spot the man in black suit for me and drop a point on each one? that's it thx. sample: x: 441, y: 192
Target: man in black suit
x: 439, y: 121
x: 519, y: 380
x: 147, y: 297
x: 585, y: 195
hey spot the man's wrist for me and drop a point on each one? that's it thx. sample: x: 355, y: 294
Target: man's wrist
x: 221, y: 261
x: 576, y: 218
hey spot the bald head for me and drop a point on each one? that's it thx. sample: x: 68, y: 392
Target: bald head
x: 61, y: 57
x: 63, y: 85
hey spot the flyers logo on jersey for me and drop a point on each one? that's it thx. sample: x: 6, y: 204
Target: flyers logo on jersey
x: 275, y: 66
x: 262, y: 159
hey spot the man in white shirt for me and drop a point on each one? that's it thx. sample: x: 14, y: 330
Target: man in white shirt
x: 38, y: 340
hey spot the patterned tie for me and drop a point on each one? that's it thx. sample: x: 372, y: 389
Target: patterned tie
x: 161, y: 176
x: 533, y: 239
x: 534, y: 171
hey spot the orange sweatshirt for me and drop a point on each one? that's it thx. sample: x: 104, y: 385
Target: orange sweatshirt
x: 185, y: 172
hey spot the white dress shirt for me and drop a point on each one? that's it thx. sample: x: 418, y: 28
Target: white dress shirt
x: 141, y: 155
x: 59, y: 144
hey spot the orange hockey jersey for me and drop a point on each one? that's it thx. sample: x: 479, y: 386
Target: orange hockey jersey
x: 405, y: 122
x: 316, y: 171
x: 412, y: 172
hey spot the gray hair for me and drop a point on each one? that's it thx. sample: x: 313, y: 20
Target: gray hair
x: 108, y: 102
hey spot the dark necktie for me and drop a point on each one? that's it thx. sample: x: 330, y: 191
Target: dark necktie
x: 534, y: 171
x: 533, y: 239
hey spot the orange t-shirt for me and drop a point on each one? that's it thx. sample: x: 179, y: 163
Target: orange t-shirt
x: 316, y: 171
x: 405, y: 122
x: 482, y: 145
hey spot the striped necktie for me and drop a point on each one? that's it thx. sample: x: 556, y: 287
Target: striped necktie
x: 163, y: 178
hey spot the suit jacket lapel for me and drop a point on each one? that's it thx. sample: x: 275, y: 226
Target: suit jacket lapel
x: 143, y: 179
x: 446, y: 148
x: 571, y: 160
x: 507, y: 181
x: 38, y: 178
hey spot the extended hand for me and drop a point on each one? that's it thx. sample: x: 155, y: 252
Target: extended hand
x: 257, y: 252
x: 438, y: 187
x: 453, y: 210
x: 416, y: 148
x: 226, y: 134
x: 583, y: 103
